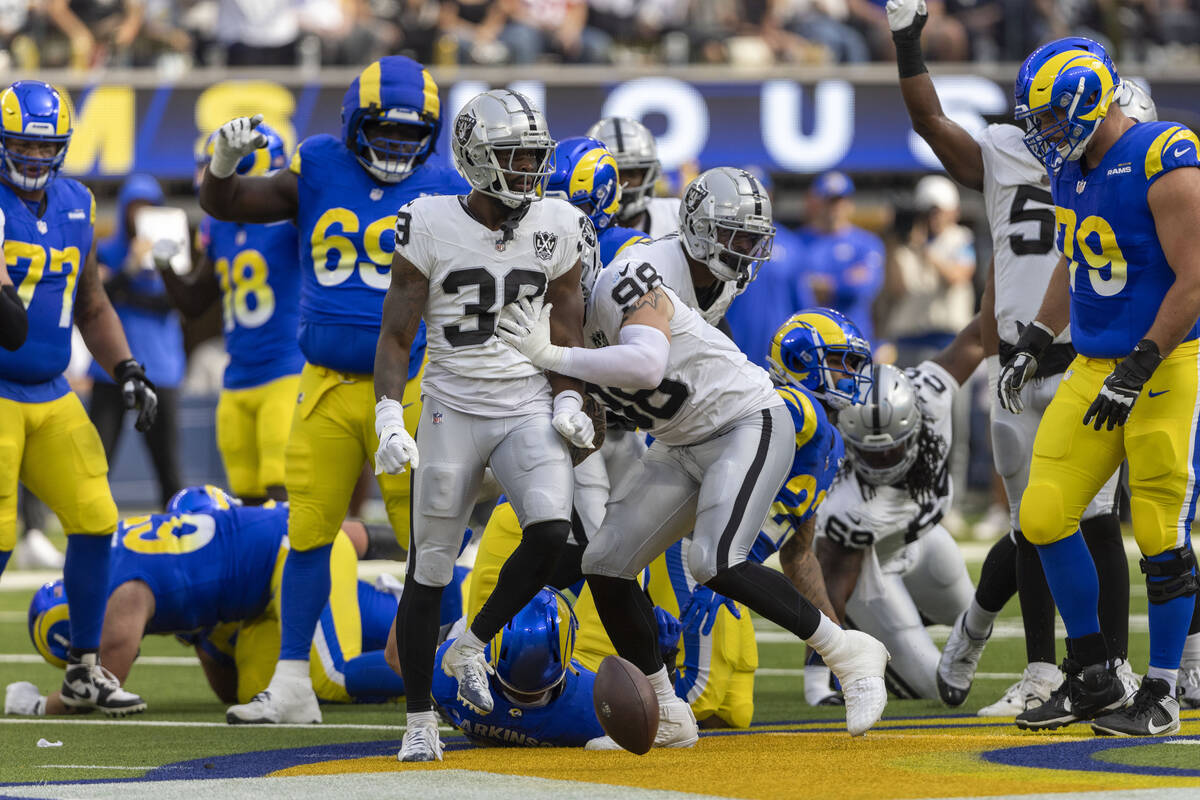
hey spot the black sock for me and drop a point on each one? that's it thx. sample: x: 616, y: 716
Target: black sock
x: 628, y: 618
x: 998, y: 578
x: 1103, y: 537
x: 1195, y: 627
x: 770, y: 594
x: 417, y: 619
x: 1037, y: 604
x: 522, y: 576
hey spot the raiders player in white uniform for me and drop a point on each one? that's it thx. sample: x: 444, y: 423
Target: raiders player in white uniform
x: 1021, y: 215
x: 888, y: 562
x: 723, y: 446
x: 458, y: 262
x: 636, y: 152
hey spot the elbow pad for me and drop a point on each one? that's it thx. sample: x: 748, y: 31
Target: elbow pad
x: 14, y: 322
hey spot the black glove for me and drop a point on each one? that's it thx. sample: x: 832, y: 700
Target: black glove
x: 1022, y: 365
x: 138, y: 391
x: 1122, y: 387
x: 14, y: 322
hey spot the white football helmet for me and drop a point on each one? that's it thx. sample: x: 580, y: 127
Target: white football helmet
x: 883, y: 433
x: 1135, y: 101
x: 633, y: 146
x: 502, y: 146
x: 725, y: 222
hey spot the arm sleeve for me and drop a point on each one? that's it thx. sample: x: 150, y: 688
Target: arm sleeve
x: 14, y: 322
x: 638, y: 362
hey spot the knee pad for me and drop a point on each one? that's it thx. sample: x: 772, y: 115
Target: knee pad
x: 702, y: 561
x: 1009, y: 454
x: 1175, y: 572
x: 443, y: 490
x: 601, y: 556
x: 1043, y: 520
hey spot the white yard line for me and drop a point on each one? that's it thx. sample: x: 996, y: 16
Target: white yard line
x: 147, y: 661
x: 156, y: 723
x: 86, y: 766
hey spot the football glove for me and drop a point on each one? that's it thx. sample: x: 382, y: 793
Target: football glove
x: 235, y: 140
x: 571, y: 421
x: 907, y: 17
x: 138, y: 392
x: 1020, y: 369
x: 23, y: 698
x: 1122, y: 387
x: 529, y: 333
x: 397, y: 449
x: 699, y: 614
x: 14, y: 322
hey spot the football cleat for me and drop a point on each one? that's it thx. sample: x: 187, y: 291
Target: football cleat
x: 1130, y: 680
x: 421, y: 742
x: 960, y: 659
x: 88, y: 685
x: 470, y: 668
x: 1153, y: 712
x: 859, y: 663
x: 1084, y: 693
x: 1189, y: 683
x: 283, y: 701
x: 677, y: 728
x: 820, y: 687
x: 1034, y: 688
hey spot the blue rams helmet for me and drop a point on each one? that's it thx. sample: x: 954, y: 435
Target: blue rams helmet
x: 824, y: 352
x: 391, y: 116
x: 33, y: 113
x: 195, y: 499
x: 585, y: 175
x: 262, y: 161
x: 532, y: 651
x: 49, y: 628
x: 1063, y: 91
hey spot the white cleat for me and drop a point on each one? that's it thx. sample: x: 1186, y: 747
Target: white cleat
x: 421, y: 743
x: 87, y: 685
x: 960, y: 658
x: 1129, y: 679
x: 283, y: 701
x: 470, y: 668
x: 36, y: 551
x: 1189, y: 681
x: 676, y: 728
x: 859, y: 663
x: 1034, y: 688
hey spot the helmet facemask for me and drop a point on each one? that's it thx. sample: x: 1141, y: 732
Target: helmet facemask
x: 738, y: 250
x: 520, y: 170
x: 881, y: 460
x: 390, y: 144
x: 30, y: 159
x: 638, y: 178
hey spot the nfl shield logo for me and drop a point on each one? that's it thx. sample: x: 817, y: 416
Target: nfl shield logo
x: 437, y: 418
x: 544, y: 244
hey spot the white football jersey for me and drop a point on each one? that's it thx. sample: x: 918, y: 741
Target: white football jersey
x: 855, y: 517
x: 662, y: 217
x: 473, y: 273
x: 1020, y: 212
x: 670, y: 261
x: 708, y: 383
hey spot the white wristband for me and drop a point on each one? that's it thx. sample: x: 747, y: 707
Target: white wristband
x: 388, y: 412
x: 567, y: 402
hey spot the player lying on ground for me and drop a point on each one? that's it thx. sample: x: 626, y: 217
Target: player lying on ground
x: 724, y: 445
x: 209, y: 572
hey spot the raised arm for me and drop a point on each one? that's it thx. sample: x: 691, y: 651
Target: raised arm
x: 959, y: 153
x: 196, y: 293
x: 229, y: 196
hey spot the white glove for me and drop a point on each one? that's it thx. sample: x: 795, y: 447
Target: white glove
x: 23, y: 698
x: 235, y: 140
x: 529, y: 333
x: 390, y: 584
x: 570, y: 421
x: 163, y: 252
x: 901, y: 13
x: 396, y: 448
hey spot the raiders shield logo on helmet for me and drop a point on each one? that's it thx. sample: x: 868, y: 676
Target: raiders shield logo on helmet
x: 544, y: 244
x: 695, y: 196
x: 463, y: 127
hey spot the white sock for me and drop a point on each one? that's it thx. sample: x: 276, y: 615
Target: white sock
x: 1042, y: 670
x: 421, y: 718
x: 978, y: 621
x: 1191, y: 648
x: 1171, y: 676
x: 828, y: 636
x: 662, y: 685
x: 291, y: 669
x: 470, y: 641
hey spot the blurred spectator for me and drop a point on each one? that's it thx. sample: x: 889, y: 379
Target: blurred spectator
x: 559, y: 27
x: 259, y: 32
x: 101, y: 32
x: 164, y: 42
x: 843, y: 264
x: 944, y: 38
x: 474, y: 27
x: 154, y: 335
x: 929, y: 276
x: 637, y: 23
x: 18, y: 47
x: 826, y: 23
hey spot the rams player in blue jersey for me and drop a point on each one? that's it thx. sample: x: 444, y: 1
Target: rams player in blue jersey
x: 1127, y: 205
x: 252, y: 270
x: 46, y: 438
x: 343, y: 195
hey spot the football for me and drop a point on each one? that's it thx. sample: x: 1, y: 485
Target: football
x: 626, y: 705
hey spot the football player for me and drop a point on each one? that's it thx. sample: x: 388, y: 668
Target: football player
x: 458, y: 262
x: 888, y: 562
x: 633, y: 146
x: 1127, y: 197
x: 49, y: 444
x: 723, y: 446
x: 343, y: 195
x: 1021, y: 216
x: 253, y: 271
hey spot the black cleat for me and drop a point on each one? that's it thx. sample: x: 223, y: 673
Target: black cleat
x: 88, y: 685
x: 1152, y: 713
x: 1084, y: 694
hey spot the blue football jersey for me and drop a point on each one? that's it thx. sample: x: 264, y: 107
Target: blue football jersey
x: 256, y: 268
x: 203, y: 569
x: 1118, y: 272
x: 819, y: 454
x: 614, y: 239
x: 569, y: 720
x: 347, y: 225
x: 44, y: 256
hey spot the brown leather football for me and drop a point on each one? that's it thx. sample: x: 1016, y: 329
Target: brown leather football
x: 626, y: 704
